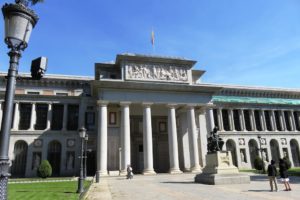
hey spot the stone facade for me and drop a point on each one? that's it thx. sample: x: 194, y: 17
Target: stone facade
x: 149, y: 112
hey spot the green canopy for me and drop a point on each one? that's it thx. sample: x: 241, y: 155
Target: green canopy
x: 255, y: 100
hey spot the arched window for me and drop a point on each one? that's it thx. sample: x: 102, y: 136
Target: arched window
x: 54, y: 157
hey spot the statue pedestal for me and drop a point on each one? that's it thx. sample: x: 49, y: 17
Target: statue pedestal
x: 220, y: 170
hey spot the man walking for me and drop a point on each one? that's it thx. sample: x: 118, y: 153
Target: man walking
x: 272, y: 173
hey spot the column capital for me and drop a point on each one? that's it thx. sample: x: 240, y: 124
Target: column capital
x: 172, y: 105
x: 102, y: 103
x: 125, y: 103
x: 147, y: 104
x: 191, y: 105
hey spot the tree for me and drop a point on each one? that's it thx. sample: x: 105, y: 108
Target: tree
x: 45, y: 169
x: 258, y: 163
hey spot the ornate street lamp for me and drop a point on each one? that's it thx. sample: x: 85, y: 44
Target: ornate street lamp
x: 82, y: 133
x: 85, y: 154
x: 261, y: 150
x: 19, y: 22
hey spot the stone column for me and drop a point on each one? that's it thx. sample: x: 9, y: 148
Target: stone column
x: 192, y: 131
x: 173, y: 143
x: 292, y: 120
x: 273, y: 120
x: 262, y: 120
x: 33, y: 116
x: 125, y: 136
x: 231, y: 121
x: 220, y: 119
x: 65, y: 117
x: 282, y: 120
x: 242, y: 119
x: 102, y: 140
x: 16, y: 117
x: 147, y: 140
x: 252, y: 120
x: 211, y: 119
x: 49, y: 116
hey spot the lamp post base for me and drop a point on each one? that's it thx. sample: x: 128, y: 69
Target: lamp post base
x: 80, y: 185
x: 4, y: 165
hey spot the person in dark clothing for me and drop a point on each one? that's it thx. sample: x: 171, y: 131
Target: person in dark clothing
x: 284, y: 175
x: 272, y: 173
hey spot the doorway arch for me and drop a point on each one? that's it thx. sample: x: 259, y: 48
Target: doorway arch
x: 275, y: 153
x: 295, y: 152
x: 20, y: 159
x: 230, y: 146
x: 253, y: 150
x: 54, y: 156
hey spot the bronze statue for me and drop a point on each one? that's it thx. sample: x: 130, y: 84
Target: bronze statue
x: 214, y: 143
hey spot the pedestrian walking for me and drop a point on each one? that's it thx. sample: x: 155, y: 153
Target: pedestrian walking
x: 272, y: 173
x: 284, y: 175
x: 129, y: 172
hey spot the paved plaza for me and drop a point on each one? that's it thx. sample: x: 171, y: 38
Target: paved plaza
x: 169, y: 187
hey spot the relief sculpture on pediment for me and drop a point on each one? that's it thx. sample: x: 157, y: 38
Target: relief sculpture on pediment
x: 149, y: 72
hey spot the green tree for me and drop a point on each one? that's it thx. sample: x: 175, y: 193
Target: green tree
x: 45, y: 169
x: 258, y: 163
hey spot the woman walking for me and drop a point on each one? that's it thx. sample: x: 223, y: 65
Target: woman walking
x: 284, y: 175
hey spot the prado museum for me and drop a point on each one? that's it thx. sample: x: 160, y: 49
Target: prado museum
x: 153, y: 113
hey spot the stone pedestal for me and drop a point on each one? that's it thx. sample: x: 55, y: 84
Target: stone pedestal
x: 220, y: 170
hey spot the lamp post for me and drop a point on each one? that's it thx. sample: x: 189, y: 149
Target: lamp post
x: 85, y: 154
x: 261, y: 150
x: 19, y: 22
x: 82, y: 132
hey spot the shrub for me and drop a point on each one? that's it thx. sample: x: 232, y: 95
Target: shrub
x: 45, y: 169
x: 258, y: 163
x: 287, y: 162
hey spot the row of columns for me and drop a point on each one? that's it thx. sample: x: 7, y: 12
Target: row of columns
x: 16, y: 120
x: 147, y: 139
x: 262, y: 120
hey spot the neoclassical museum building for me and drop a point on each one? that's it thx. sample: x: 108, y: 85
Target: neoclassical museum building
x: 148, y: 111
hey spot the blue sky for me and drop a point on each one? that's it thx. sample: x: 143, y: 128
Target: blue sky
x: 240, y: 42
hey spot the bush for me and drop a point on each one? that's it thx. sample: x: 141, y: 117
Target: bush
x: 45, y: 169
x: 258, y: 163
x: 287, y: 162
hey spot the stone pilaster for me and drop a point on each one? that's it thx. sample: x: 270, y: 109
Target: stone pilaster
x: 231, y: 121
x: 65, y: 117
x: 220, y: 119
x: 252, y: 120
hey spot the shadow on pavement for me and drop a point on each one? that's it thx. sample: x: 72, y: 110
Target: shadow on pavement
x: 259, y: 191
x: 180, y: 182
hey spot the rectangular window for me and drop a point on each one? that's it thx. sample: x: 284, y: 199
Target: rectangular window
x: 215, y: 112
x: 277, y: 119
x: 296, y: 118
x: 257, y: 120
x: 73, y: 113
x: 90, y: 120
x: 236, y: 119
x: 225, y: 117
x: 112, y: 118
x: 41, y: 116
x: 268, y: 120
x: 247, y: 120
x: 287, y: 121
x: 25, y: 115
x: 57, y: 116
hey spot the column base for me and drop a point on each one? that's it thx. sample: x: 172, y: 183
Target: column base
x: 175, y: 171
x: 100, y: 174
x: 195, y: 169
x: 149, y: 172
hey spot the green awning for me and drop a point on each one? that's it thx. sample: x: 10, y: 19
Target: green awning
x: 255, y: 100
